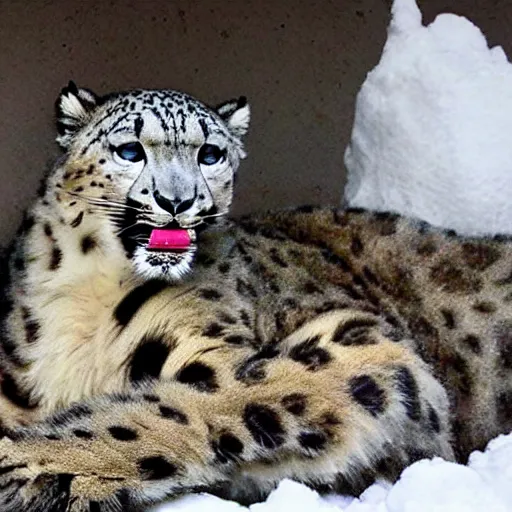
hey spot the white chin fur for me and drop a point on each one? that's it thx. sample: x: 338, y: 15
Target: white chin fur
x: 168, y: 268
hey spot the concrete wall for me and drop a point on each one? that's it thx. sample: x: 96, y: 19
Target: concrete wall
x: 299, y: 62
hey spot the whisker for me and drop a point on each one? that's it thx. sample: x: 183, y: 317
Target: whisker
x: 105, y: 202
x: 136, y: 223
x: 196, y: 221
x: 219, y: 214
x: 113, y: 211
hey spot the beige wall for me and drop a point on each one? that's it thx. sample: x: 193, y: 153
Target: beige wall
x: 300, y: 63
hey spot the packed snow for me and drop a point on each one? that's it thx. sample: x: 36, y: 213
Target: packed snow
x: 432, y: 129
x: 426, y: 486
x: 430, y: 139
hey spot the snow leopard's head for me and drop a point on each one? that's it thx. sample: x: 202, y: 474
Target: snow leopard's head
x: 156, y: 166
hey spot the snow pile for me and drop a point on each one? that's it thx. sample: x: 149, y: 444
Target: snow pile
x: 426, y: 486
x: 433, y: 124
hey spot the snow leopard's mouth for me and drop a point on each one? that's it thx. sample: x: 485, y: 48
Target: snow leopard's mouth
x: 163, y: 246
x: 169, y: 239
x: 161, y: 253
x: 174, y: 240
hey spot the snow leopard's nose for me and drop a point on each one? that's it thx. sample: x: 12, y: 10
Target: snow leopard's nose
x: 176, y: 204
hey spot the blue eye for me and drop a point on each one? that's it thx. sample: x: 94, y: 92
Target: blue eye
x: 210, y: 154
x: 133, y: 151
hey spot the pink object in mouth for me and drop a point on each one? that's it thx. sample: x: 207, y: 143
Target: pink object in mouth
x: 170, y: 239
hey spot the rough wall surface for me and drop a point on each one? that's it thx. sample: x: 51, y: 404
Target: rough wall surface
x: 299, y: 62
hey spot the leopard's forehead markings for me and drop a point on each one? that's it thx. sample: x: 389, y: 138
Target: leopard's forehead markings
x: 170, y: 108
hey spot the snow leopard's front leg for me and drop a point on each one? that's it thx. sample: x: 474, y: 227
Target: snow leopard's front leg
x: 334, y: 400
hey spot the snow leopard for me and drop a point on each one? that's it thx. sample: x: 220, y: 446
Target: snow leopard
x: 153, y: 345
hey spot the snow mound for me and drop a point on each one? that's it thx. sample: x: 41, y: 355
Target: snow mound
x: 426, y: 486
x: 433, y: 122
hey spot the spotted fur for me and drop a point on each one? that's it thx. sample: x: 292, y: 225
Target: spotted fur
x: 328, y: 346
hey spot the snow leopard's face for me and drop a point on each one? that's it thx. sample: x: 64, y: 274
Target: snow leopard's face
x: 157, y: 164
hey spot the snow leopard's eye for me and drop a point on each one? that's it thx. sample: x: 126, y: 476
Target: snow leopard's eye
x: 132, y: 151
x: 209, y: 154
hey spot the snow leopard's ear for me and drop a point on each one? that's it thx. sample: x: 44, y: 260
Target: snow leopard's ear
x: 236, y: 114
x: 74, y: 107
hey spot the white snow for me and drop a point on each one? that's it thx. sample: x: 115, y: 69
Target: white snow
x: 431, y: 139
x: 433, y: 122
x: 484, y: 485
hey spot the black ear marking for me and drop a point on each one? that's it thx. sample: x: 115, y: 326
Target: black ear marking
x: 72, y: 88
